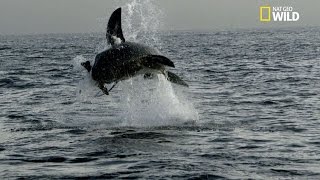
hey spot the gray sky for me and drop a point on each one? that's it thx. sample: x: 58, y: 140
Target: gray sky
x: 55, y: 16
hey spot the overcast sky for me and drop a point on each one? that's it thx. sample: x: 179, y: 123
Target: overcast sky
x: 56, y: 16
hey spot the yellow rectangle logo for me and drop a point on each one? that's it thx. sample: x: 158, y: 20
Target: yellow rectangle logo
x: 266, y: 9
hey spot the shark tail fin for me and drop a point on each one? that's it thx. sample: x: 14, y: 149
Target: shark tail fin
x: 114, y: 30
x: 176, y: 79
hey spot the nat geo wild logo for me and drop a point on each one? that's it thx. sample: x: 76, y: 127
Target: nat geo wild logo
x: 278, y: 13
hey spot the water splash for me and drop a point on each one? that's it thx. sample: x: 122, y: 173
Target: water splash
x: 143, y: 103
x: 142, y: 19
x: 153, y: 102
x: 149, y: 102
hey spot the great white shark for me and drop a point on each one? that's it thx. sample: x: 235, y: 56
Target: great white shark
x: 127, y: 59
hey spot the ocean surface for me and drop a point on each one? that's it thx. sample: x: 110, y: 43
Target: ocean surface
x: 252, y: 110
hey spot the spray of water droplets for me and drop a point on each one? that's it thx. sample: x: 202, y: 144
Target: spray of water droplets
x: 141, y: 21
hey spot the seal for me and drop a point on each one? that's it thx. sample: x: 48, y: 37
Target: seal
x: 127, y: 59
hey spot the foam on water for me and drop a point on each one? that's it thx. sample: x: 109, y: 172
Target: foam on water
x: 142, y: 102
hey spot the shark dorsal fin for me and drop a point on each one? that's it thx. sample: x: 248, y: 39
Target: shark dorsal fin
x: 114, y: 30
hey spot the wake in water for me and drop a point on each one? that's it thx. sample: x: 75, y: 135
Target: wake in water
x: 143, y: 102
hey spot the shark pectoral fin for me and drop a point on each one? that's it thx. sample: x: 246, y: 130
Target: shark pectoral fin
x: 153, y: 61
x: 114, y: 29
x: 176, y: 79
x: 115, y: 83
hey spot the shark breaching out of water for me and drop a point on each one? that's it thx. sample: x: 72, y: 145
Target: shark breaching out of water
x: 127, y: 59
